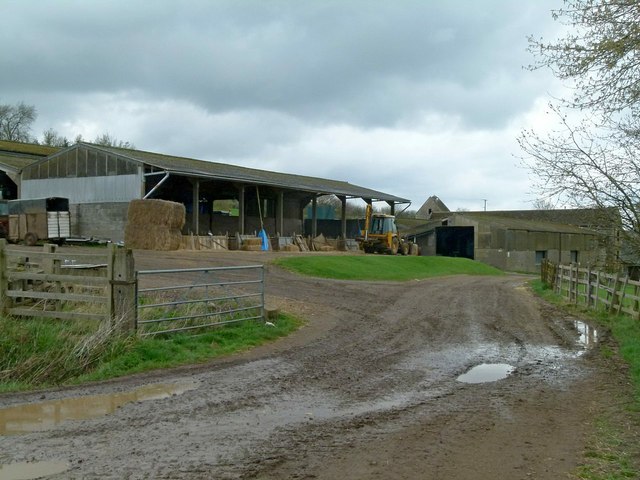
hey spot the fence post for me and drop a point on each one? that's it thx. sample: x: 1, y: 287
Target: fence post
x: 597, y: 290
x: 264, y: 313
x: 5, y: 301
x: 622, y: 294
x: 614, y: 293
x: 122, y: 289
x: 560, y: 278
x: 589, y: 286
x: 554, y: 276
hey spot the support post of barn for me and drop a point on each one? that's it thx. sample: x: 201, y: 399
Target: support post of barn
x: 241, y: 212
x: 280, y: 221
x: 122, y: 289
x: 314, y: 216
x: 343, y: 218
x: 195, y: 210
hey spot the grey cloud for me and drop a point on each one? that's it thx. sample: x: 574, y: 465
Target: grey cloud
x: 322, y: 61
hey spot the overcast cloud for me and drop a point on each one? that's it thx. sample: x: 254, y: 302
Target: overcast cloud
x: 413, y: 98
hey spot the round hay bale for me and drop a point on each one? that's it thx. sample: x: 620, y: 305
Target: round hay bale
x: 156, y: 212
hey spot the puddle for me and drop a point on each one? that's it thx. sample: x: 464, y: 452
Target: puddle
x: 31, y: 470
x: 486, y: 372
x: 34, y: 417
x: 588, y: 334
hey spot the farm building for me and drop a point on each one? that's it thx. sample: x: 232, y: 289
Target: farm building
x: 511, y: 241
x: 101, y: 181
x: 432, y: 206
x: 14, y: 156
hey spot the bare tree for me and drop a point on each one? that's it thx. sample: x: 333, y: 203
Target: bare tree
x: 543, y: 204
x: 591, y: 158
x: 588, y: 165
x: 599, y: 54
x: 107, y: 140
x: 16, y: 121
x: 51, y: 138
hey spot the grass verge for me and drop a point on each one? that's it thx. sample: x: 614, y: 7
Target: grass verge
x: 612, y: 452
x: 383, y: 267
x: 39, y: 353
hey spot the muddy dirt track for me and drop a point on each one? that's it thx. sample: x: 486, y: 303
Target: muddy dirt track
x: 367, y: 389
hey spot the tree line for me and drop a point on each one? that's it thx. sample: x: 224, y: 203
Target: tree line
x: 16, y: 122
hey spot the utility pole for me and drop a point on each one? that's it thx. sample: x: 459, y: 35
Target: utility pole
x: 485, y: 203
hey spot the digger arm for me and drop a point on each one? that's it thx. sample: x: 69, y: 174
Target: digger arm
x: 367, y: 221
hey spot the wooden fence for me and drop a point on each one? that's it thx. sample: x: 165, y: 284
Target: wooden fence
x: 614, y: 293
x: 98, y: 286
x: 104, y: 287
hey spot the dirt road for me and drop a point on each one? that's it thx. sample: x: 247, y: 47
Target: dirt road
x: 368, y: 389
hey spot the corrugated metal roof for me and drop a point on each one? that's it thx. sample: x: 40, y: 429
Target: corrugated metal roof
x: 223, y: 171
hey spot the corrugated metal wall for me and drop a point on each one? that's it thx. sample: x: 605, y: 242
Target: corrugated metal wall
x: 113, y: 188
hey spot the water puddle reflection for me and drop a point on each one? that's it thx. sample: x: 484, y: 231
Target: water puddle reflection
x: 486, y: 372
x: 31, y: 470
x: 588, y: 334
x: 40, y: 416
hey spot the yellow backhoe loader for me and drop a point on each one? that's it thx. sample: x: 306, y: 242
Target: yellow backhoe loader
x: 380, y: 235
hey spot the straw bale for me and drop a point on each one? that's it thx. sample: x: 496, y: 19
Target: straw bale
x: 252, y: 241
x: 156, y: 212
x: 152, y: 237
x: 252, y: 248
x: 290, y: 247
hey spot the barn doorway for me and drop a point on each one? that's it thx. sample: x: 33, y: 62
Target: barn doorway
x: 455, y: 242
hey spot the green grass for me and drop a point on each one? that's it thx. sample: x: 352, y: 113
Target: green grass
x: 38, y: 353
x: 383, y: 267
x: 607, y: 456
x: 612, y: 451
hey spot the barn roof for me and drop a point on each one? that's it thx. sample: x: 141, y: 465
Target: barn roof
x: 14, y: 156
x: 222, y: 171
x: 537, y: 223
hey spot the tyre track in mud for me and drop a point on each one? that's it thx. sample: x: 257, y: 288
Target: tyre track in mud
x: 366, y: 390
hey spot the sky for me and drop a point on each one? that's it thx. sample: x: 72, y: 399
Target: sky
x: 411, y: 98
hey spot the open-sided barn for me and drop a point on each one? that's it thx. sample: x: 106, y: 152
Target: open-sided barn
x: 101, y: 181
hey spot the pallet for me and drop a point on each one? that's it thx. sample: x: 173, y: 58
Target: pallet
x: 302, y: 245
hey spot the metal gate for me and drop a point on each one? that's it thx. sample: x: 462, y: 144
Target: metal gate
x: 181, y: 300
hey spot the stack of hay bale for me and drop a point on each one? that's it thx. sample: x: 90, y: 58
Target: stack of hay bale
x: 154, y: 225
x: 252, y: 244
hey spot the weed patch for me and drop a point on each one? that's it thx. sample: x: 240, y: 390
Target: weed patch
x: 38, y: 353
